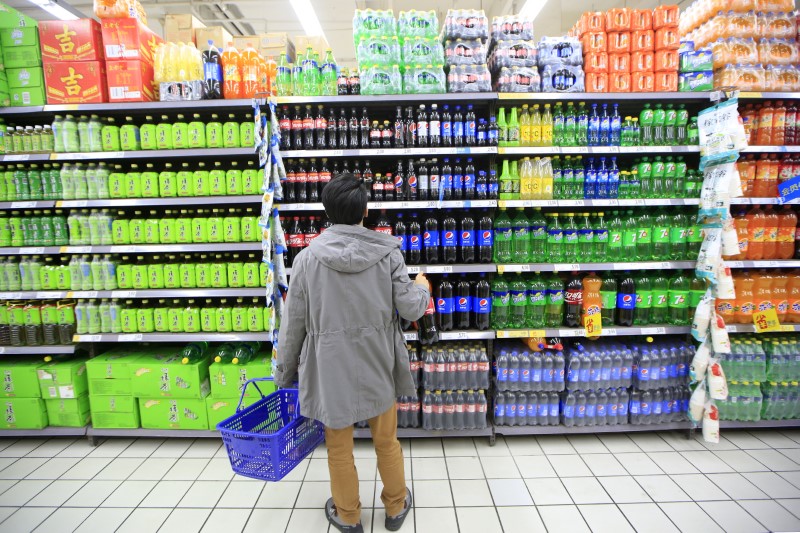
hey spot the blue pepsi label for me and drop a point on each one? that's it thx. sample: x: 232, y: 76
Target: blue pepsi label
x: 572, y: 376
x: 591, y: 410
x: 623, y: 409
x: 481, y: 136
x: 584, y: 375
x: 463, y: 304
x: 513, y: 375
x: 430, y: 238
x: 547, y: 376
x: 611, y: 410
x: 601, y: 409
x: 605, y: 374
x: 458, y: 181
x: 481, y: 306
x: 499, y: 409
x: 553, y: 409
x: 683, y: 370
x: 667, y: 407
x: 466, y: 238
x: 458, y: 129
x: 469, y: 182
x: 502, y: 374
x: 626, y: 373
x: 530, y: 409
x: 445, y: 306
x: 626, y: 301
x: 213, y: 71
x: 447, y: 181
x: 569, y: 411
x: 511, y: 410
x: 634, y: 408
x: 449, y: 238
x: 655, y: 373
x: 581, y: 411
x: 663, y: 372
x: 493, y: 133
x: 594, y: 374
x: 403, y: 242
x: 486, y: 238
x: 494, y: 188
x: 657, y: 408
x: 471, y: 129
x: 481, y: 188
x: 536, y: 376
x: 616, y: 374
x: 673, y: 370
x: 558, y: 375
x: 543, y: 409
x: 414, y: 242
x: 447, y: 129
x: 644, y: 408
x: 525, y: 375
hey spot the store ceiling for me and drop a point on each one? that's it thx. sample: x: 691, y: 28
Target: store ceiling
x: 245, y: 17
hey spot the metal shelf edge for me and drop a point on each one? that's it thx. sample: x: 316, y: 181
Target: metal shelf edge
x: 152, y: 433
x: 49, y: 431
x: 37, y: 350
x: 561, y: 429
x: 411, y: 433
x: 173, y: 337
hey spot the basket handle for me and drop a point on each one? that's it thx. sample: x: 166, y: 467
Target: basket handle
x: 253, y: 381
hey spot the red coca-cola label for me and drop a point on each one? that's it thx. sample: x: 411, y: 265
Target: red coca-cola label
x: 452, y: 367
x: 429, y: 368
x: 324, y: 177
x: 573, y: 297
x: 463, y: 367
x: 483, y: 367
x: 386, y: 230
x: 482, y: 408
x: 296, y: 240
x: 427, y: 409
x: 301, y: 176
x: 474, y: 366
x: 472, y: 408
x: 309, y: 237
x: 459, y: 408
x: 312, y: 177
x: 285, y: 124
x: 431, y: 307
x: 297, y: 124
x: 404, y: 406
x: 440, y: 367
x: 308, y: 123
x: 449, y: 409
x: 320, y: 123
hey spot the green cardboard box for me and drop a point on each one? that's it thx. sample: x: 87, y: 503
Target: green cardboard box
x: 173, y: 413
x: 113, y: 404
x: 23, y: 413
x: 30, y: 96
x: 5, y: 99
x: 25, y: 36
x: 228, y: 379
x: 11, y: 18
x: 20, y: 379
x: 68, y: 413
x: 25, y: 77
x: 108, y: 420
x: 22, y: 56
x: 110, y: 373
x: 63, y: 379
x: 110, y: 387
x: 221, y: 408
x: 164, y: 375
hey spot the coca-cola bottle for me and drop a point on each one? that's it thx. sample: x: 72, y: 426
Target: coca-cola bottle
x: 320, y: 130
x: 308, y: 129
x: 382, y: 224
x: 426, y: 326
x: 399, y: 129
x: 414, y: 241
x: 389, y: 190
x: 297, y: 129
x: 342, y: 129
x: 573, y: 301
x: 285, y: 124
x: 411, y: 128
x: 311, y: 232
x: 332, y: 135
x: 377, y: 188
x: 324, y: 176
x: 312, y: 182
x: 289, y: 189
x: 301, y: 182
x: 295, y: 240
x: 363, y: 128
x: 352, y: 128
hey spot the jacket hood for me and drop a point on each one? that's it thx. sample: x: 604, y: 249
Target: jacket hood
x: 351, y: 249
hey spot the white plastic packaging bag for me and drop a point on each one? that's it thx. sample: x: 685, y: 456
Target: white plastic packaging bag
x: 730, y: 239
x: 709, y: 258
x: 724, y: 290
x: 697, y: 403
x: 711, y: 423
x: 717, y: 384
x: 702, y: 317
x: 700, y: 362
x: 719, y: 336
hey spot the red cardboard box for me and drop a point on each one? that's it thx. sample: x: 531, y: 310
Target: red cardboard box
x: 76, y: 82
x: 130, y: 81
x: 129, y: 39
x: 71, y: 40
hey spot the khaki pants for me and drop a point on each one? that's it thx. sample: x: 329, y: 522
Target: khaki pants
x: 344, y: 478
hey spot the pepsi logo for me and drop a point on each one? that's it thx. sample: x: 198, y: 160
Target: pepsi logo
x: 448, y: 235
x: 415, y: 239
x: 398, y: 182
x: 644, y: 371
x: 412, y: 182
x: 465, y: 235
x: 483, y: 302
x: 440, y: 302
x: 426, y: 235
x: 486, y: 234
x: 627, y: 298
x: 462, y: 301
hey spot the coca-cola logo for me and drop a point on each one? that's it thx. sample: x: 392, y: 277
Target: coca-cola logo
x: 573, y: 296
x: 462, y: 301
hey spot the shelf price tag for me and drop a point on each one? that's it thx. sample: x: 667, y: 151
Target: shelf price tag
x: 456, y: 335
x: 414, y: 270
x: 2, y: 349
x: 31, y: 251
x: 513, y: 334
x: 410, y: 336
x: 592, y: 325
x: 130, y: 337
x: 123, y: 294
x: 440, y: 269
x: 22, y: 205
x: 766, y: 320
x: 86, y: 338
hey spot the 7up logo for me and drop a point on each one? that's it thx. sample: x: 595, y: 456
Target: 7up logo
x: 616, y: 237
x: 662, y: 299
x: 678, y: 300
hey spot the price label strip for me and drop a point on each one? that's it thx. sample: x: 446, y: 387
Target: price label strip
x: 766, y: 320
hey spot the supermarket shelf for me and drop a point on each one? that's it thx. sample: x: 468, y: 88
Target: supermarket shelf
x: 787, y: 263
x: 761, y: 201
x: 750, y: 328
x: 569, y: 267
x: 147, y: 107
x: 759, y: 424
x: 455, y: 335
x: 134, y: 249
x: 50, y: 431
x: 428, y: 204
x: 38, y: 204
x: 172, y: 337
x: 134, y: 294
x: 579, y: 332
x: 452, y: 269
x: 767, y: 95
x: 389, y: 99
x: 20, y: 158
x: 545, y: 150
x: 153, y: 433
x: 625, y: 202
x: 37, y: 350
x: 770, y: 149
x: 698, y: 96
x: 143, y: 202
x: 154, y: 154
x: 412, y: 433
x: 389, y: 152
x: 564, y: 430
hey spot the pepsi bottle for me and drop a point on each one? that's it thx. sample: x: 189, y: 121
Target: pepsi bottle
x: 449, y: 239
x: 463, y: 304
x: 414, y: 253
x: 466, y: 240
x: 445, y: 305
x: 401, y: 232
x: 481, y: 304
x: 431, y: 240
x: 626, y: 300
x: 485, y: 238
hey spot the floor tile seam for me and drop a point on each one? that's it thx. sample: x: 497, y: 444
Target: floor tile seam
x: 616, y: 506
x: 698, y: 506
x: 782, y: 505
x: 21, y: 508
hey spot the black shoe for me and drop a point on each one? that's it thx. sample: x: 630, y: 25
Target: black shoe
x: 394, y: 523
x: 333, y: 518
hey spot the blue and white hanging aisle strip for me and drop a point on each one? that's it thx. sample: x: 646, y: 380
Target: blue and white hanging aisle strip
x: 273, y: 245
x: 722, y: 136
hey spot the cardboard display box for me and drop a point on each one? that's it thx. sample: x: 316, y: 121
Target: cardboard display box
x: 71, y: 40
x: 164, y: 375
x: 19, y: 78
x: 217, y: 34
x: 130, y: 81
x: 109, y: 420
x: 228, y: 379
x: 20, y: 379
x: 129, y: 39
x: 267, y: 44
x: 114, y: 364
x: 68, y: 413
x: 173, y: 413
x: 317, y: 42
x: 181, y: 28
x: 220, y: 409
x: 76, y: 82
x: 113, y: 404
x: 63, y: 379
x: 21, y: 56
x: 23, y: 413
x: 19, y: 36
x: 11, y: 18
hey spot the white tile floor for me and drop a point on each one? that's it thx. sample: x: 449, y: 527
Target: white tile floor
x: 654, y: 482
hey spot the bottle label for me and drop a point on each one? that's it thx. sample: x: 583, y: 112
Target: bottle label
x: 463, y: 304
x: 555, y: 297
x: 555, y: 236
x: 471, y: 128
x: 660, y: 299
x: 519, y: 298
x: 570, y: 236
x: 485, y: 238
x: 447, y: 129
x: 677, y: 235
x: 608, y: 299
x: 536, y: 297
x: 629, y: 238
x: 469, y: 182
x: 414, y: 243
x: 431, y: 239
x: 445, y: 306
x: 434, y: 179
x: 574, y: 297
x: 585, y: 236
x: 695, y: 234
x: 644, y: 236
x: 500, y: 298
x: 679, y: 299
x: 661, y: 234
x: 615, y: 239
x: 458, y: 181
x: 467, y: 238
x: 626, y: 301
x: 644, y: 299
x: 481, y: 306
x: 403, y: 238
x: 449, y: 239
x: 458, y: 129
x: 212, y: 71
x: 696, y: 296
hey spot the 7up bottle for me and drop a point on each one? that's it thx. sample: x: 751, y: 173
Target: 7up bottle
x: 658, y: 314
x: 678, y: 295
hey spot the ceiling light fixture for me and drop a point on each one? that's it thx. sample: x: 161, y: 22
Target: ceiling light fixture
x: 307, y: 17
x: 60, y: 12
x: 532, y: 8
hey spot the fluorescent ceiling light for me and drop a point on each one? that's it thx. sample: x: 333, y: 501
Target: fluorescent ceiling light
x: 532, y: 8
x: 54, y: 9
x: 307, y: 16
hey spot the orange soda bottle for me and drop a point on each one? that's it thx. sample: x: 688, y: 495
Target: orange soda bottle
x: 779, y: 123
x: 250, y: 62
x: 793, y: 315
x: 764, y: 127
x: 740, y: 222
x: 747, y: 175
x: 592, y: 301
x: 743, y: 309
x: 725, y: 310
x: 762, y: 291
x: 755, y: 233
x: 787, y: 224
x: 271, y: 72
x: 761, y: 185
x: 770, y: 233
x: 780, y: 295
x: 232, y: 73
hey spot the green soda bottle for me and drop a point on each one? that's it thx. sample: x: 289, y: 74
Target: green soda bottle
x: 185, y: 179
x: 183, y: 228
x: 161, y: 317
x: 585, y: 240
x: 180, y: 134
x: 219, y: 273
x: 200, y: 227
x: 224, y: 317
x: 23, y: 190
x: 151, y: 229
x: 110, y: 136
x: 166, y: 228
x: 644, y: 170
x: 233, y: 180
x: 659, y: 312
x: 172, y: 273
x: 175, y: 317
x: 197, y: 132
x: 251, y: 184
x: 63, y: 275
x: 644, y: 238
x: 630, y: 231
x: 164, y: 134
x: 659, y: 118
x: 133, y: 183
x: 214, y: 134
x: 239, y: 316
x: 215, y: 227
x: 521, y: 239
x: 187, y: 274
x: 147, y: 134
x: 678, y: 300
x: 149, y: 182
x: 247, y: 131
x: 657, y: 179
x: 217, y: 182
x: 679, y: 183
x: 48, y: 141
x: 644, y: 301
x: 129, y: 138
x: 235, y: 272
x: 167, y: 182
x: 35, y: 183
x: 208, y: 317
x: 230, y: 133
x: 202, y: 271
x: 201, y: 181
x: 646, y: 125
x: 191, y: 317
x: 155, y: 273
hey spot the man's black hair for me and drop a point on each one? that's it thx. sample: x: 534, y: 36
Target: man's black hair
x: 345, y: 199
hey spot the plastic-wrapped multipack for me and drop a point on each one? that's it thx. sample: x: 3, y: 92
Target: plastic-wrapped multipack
x: 465, y: 52
x: 560, y: 51
x: 466, y: 24
x: 424, y: 24
x: 518, y: 80
x: 426, y: 79
x: 381, y: 80
x: 512, y: 28
x: 422, y: 51
x: 513, y: 54
x: 562, y: 79
x: 469, y: 79
x: 373, y: 23
x: 378, y: 51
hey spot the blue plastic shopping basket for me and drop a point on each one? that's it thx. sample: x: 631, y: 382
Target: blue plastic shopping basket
x: 269, y: 438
